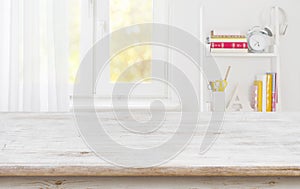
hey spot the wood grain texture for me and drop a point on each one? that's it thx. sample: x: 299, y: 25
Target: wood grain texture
x: 146, y: 182
x: 249, y: 144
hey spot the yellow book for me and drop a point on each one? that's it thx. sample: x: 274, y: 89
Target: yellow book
x: 259, y: 85
x: 269, y: 92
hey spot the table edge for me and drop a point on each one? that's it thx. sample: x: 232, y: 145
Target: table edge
x: 100, y: 171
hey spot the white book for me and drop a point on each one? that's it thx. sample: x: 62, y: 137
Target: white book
x: 222, y: 50
x: 226, y: 32
x: 263, y: 78
x: 222, y: 40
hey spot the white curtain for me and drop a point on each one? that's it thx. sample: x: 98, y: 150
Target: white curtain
x: 34, y: 55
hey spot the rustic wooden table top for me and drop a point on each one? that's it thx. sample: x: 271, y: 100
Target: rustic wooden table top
x: 248, y: 144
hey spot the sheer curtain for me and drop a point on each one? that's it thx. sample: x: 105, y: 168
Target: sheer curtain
x: 34, y: 55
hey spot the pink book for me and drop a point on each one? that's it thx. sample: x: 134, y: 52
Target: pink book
x: 229, y: 45
x: 253, y: 101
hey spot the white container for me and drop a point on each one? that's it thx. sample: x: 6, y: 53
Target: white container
x: 217, y: 103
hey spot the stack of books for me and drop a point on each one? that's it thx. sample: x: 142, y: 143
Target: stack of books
x: 227, y: 42
x: 265, y: 93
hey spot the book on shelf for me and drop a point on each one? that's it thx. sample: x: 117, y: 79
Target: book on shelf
x: 263, y: 79
x: 274, y: 92
x: 228, y: 39
x: 226, y: 34
x: 229, y: 45
x: 266, y: 92
x: 269, y: 92
x: 259, y: 85
x: 254, y: 97
x: 223, y: 50
x: 227, y: 42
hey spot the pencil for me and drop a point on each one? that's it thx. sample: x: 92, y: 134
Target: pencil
x: 227, y: 73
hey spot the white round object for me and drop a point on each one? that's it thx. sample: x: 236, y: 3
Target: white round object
x: 258, y: 42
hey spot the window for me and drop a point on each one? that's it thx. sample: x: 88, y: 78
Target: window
x: 111, y: 15
x: 74, y: 40
x: 101, y: 17
x: 124, y: 13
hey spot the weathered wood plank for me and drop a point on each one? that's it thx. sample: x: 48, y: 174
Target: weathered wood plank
x: 102, y: 171
x: 248, y: 144
x: 149, y: 183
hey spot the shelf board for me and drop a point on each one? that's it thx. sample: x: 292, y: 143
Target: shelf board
x: 242, y: 55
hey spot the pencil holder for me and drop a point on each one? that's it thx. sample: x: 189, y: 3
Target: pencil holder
x: 218, y: 85
x: 221, y: 85
x: 217, y: 103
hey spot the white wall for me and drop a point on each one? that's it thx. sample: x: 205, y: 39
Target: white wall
x: 242, y: 15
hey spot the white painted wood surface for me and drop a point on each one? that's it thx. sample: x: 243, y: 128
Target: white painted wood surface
x: 249, y: 144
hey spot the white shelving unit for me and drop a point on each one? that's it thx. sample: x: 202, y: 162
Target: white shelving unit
x: 273, y: 55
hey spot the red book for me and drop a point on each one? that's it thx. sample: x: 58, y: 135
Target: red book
x: 229, y: 45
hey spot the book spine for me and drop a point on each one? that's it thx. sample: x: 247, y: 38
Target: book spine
x: 259, y: 85
x: 269, y: 92
x: 263, y: 79
x: 223, y: 50
x: 254, y: 95
x: 224, y: 35
x: 225, y: 32
x: 228, y: 37
x: 276, y: 87
x: 264, y: 98
x: 229, y: 40
x: 274, y: 92
x: 232, y: 45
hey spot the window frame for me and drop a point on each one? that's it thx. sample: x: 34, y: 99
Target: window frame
x: 89, y: 24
